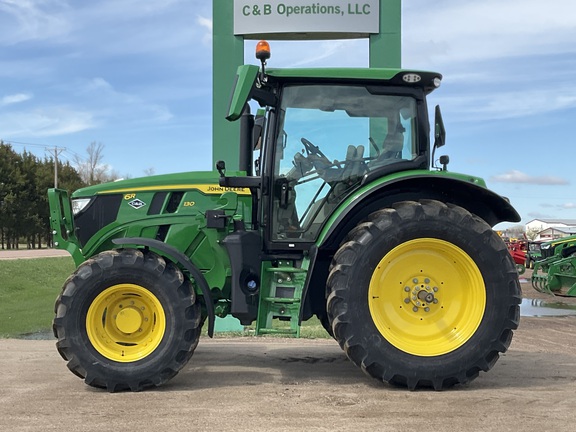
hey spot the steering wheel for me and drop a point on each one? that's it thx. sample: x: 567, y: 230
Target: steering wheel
x: 311, y: 149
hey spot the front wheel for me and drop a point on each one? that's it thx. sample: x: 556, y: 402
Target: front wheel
x: 127, y: 320
x: 423, y: 294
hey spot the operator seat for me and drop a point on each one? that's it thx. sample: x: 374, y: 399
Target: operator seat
x: 354, y: 165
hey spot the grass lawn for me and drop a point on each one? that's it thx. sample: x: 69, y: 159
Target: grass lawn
x: 29, y: 287
x: 28, y: 290
x: 311, y: 329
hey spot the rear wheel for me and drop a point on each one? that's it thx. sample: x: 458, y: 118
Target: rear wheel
x: 423, y: 294
x: 127, y: 320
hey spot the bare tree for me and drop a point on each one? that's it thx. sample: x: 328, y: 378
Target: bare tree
x: 93, y: 170
x: 532, y: 233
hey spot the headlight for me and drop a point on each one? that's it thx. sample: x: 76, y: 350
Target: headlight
x: 79, y: 204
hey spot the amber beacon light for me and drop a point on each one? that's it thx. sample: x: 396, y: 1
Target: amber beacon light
x: 262, y: 50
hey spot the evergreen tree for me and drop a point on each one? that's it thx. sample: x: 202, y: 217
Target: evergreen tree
x: 24, y: 211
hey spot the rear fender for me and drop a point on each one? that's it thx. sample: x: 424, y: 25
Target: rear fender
x: 469, y: 194
x: 466, y: 192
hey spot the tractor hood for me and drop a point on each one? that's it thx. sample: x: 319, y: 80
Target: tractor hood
x: 206, y: 181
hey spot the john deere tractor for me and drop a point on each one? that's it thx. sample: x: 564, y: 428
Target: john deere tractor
x: 338, y: 211
x: 555, y: 272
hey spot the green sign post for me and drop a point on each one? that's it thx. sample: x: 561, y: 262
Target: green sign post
x: 237, y: 20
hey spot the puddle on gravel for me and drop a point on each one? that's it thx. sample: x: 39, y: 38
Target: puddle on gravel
x: 541, y: 308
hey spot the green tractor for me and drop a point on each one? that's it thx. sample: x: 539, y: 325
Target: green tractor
x: 555, y: 272
x: 336, y: 212
x: 533, y: 253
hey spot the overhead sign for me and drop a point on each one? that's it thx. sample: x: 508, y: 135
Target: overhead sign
x: 302, y: 19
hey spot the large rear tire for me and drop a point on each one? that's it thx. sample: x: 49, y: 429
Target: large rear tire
x: 423, y: 294
x: 127, y: 320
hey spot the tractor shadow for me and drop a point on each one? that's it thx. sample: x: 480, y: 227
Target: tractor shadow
x: 250, y: 364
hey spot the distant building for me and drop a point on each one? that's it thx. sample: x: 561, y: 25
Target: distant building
x: 550, y: 229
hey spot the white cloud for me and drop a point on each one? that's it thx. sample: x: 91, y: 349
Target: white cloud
x: 538, y: 215
x: 454, y: 31
x: 329, y: 53
x: 113, y: 106
x: 515, y: 176
x: 45, y: 122
x: 91, y: 104
x: 104, y: 27
x: 206, y: 24
x: 323, y: 52
x: 562, y: 206
x: 502, y: 104
x: 15, y: 98
x: 25, y: 20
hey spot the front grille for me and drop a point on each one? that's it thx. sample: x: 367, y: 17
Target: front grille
x: 102, y: 211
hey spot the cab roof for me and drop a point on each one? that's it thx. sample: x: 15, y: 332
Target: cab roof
x: 408, y: 77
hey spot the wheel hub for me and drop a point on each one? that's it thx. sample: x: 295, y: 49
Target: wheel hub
x: 427, y: 297
x: 421, y: 292
x: 128, y: 320
x: 125, y: 322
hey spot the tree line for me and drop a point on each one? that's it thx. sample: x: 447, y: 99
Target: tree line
x: 24, y: 211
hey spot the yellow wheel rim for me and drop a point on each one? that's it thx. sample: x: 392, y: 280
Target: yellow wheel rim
x: 125, y: 323
x: 427, y: 297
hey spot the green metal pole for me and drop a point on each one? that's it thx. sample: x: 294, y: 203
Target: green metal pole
x: 227, y: 55
x: 386, y: 47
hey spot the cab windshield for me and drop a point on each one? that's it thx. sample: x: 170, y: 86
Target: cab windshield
x: 329, y: 137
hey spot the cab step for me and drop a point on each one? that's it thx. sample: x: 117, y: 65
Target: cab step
x: 280, y: 299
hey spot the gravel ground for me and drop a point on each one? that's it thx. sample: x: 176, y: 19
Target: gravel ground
x: 250, y: 384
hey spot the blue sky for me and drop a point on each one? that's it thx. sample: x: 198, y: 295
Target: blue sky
x: 136, y: 76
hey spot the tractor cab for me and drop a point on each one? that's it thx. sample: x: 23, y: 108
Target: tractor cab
x: 323, y: 134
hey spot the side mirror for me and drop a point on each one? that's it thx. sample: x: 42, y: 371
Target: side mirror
x: 439, y: 130
x: 439, y: 138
